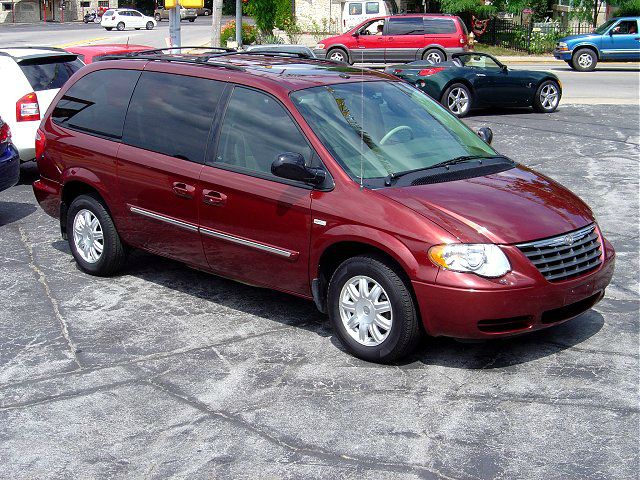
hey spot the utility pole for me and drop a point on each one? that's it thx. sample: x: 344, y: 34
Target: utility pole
x: 174, y: 27
x: 216, y: 20
x: 239, y: 24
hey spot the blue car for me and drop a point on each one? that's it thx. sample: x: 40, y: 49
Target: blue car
x: 9, y: 159
x: 615, y: 40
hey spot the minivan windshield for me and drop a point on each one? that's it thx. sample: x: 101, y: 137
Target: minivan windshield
x: 380, y: 128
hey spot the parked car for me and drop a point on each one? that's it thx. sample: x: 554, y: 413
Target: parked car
x: 203, y: 12
x: 616, y: 40
x: 161, y: 13
x: 9, y: 158
x: 282, y: 48
x: 121, y: 18
x: 399, y: 38
x: 91, y: 53
x: 356, y: 12
x: 476, y: 80
x: 31, y: 77
x: 348, y: 187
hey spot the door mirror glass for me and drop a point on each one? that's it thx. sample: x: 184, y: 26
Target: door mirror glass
x: 486, y: 134
x: 292, y: 167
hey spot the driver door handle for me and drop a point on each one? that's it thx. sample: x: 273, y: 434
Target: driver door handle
x: 183, y: 190
x: 480, y: 75
x: 211, y: 197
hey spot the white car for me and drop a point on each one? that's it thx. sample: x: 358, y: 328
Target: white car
x: 121, y: 18
x: 30, y: 78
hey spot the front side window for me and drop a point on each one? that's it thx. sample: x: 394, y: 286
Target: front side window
x: 47, y: 73
x: 405, y: 26
x: 372, y: 8
x: 435, y: 26
x: 355, y: 9
x: 172, y: 114
x: 626, y: 27
x: 381, y: 128
x: 257, y: 129
x: 97, y: 103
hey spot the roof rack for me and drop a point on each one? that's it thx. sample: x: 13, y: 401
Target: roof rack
x: 157, y: 55
x: 279, y: 53
x: 172, y: 49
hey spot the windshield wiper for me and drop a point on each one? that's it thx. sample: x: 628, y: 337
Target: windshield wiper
x: 452, y: 161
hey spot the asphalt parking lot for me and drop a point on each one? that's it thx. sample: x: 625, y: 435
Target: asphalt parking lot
x: 165, y: 371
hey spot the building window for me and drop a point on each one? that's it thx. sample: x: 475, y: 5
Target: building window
x: 103, y: 3
x: 7, y: 7
x: 85, y: 4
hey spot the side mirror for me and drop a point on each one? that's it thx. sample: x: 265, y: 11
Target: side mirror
x: 504, y: 68
x: 291, y: 166
x: 486, y: 134
x: 356, y: 34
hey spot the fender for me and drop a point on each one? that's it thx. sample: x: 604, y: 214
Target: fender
x: 342, y: 46
x: 586, y: 44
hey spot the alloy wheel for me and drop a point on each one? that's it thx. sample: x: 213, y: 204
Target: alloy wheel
x: 458, y: 101
x: 337, y: 56
x: 585, y: 60
x: 365, y: 310
x: 434, y: 57
x: 88, y: 236
x: 549, y: 97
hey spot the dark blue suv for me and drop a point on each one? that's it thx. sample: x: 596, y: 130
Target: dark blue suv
x: 615, y: 40
x: 9, y: 159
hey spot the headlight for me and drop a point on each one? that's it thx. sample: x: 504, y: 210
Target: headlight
x: 320, y: 46
x: 486, y: 260
x: 562, y: 46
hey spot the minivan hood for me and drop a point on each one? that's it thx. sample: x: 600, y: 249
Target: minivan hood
x: 514, y: 206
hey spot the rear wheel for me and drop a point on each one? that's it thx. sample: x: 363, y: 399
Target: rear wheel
x: 93, y: 239
x: 158, y: 17
x: 192, y: 20
x: 584, y: 60
x: 372, y: 310
x: 149, y: 26
x: 434, y: 55
x: 120, y: 26
x: 337, y: 55
x: 457, y: 99
x: 547, y: 97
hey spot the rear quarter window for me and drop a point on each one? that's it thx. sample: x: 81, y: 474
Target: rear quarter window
x: 49, y: 72
x: 97, y: 103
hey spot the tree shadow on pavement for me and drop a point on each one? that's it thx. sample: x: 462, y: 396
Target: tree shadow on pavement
x: 13, y: 211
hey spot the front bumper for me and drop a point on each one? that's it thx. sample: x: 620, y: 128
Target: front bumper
x: 479, y: 314
x: 9, y: 168
x: 562, y: 55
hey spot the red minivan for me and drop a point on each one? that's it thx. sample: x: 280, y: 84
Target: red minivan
x: 343, y: 186
x: 398, y: 38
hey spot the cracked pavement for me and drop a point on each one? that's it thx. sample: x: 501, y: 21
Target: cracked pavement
x: 164, y: 371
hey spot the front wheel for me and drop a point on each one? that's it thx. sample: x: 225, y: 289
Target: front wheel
x: 372, y: 311
x: 158, y: 17
x: 149, y: 26
x: 457, y: 99
x: 547, y: 97
x: 192, y: 20
x: 338, y: 55
x: 584, y: 60
x: 120, y: 26
x: 93, y: 239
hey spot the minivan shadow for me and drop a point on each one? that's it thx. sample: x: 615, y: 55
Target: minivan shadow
x: 28, y: 173
x: 13, y: 211
x: 296, y: 312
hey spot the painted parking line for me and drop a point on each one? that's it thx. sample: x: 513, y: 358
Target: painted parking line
x: 81, y: 42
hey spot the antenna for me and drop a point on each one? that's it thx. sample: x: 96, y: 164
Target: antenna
x: 362, y: 127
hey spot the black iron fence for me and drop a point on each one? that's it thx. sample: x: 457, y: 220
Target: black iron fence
x: 532, y: 38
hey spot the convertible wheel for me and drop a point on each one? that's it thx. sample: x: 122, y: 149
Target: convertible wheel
x: 457, y: 99
x: 372, y: 310
x: 584, y: 60
x: 547, y: 97
x: 434, y: 56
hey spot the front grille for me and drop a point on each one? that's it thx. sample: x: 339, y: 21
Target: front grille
x: 565, y: 256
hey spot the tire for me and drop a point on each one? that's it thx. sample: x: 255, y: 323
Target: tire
x: 85, y: 20
x: 108, y: 29
x: 459, y: 92
x: 434, y: 55
x: 149, y: 26
x: 137, y: 28
x: 112, y: 256
x: 547, y: 97
x: 380, y: 344
x: 338, y: 55
x: 120, y: 27
x: 206, y: 13
x: 584, y: 60
x: 158, y: 17
x: 192, y: 20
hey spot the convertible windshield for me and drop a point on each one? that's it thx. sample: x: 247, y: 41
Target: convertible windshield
x: 604, y: 27
x: 377, y: 129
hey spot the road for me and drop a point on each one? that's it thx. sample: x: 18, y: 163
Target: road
x: 609, y: 84
x: 163, y: 371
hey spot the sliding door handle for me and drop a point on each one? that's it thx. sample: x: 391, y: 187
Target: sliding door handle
x: 183, y: 190
x: 211, y: 197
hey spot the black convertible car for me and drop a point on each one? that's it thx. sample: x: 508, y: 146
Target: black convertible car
x: 474, y: 80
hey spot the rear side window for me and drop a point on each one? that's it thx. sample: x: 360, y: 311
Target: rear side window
x: 97, y: 103
x: 439, y: 25
x: 372, y: 8
x: 49, y: 72
x: 405, y: 26
x: 108, y: 13
x: 172, y: 114
x: 255, y: 131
